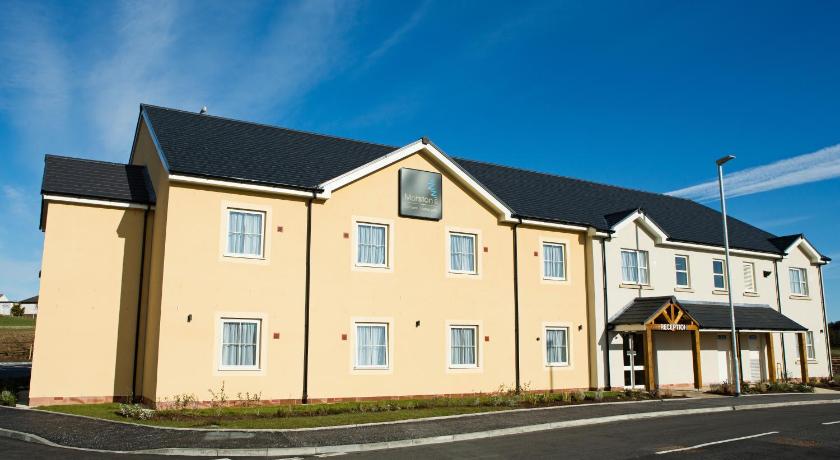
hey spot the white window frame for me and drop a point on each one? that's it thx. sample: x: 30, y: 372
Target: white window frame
x: 723, y: 275
x: 568, y: 346
x: 747, y: 289
x: 562, y: 247
x: 803, y: 281
x: 452, y: 365
x: 387, y: 245
x: 257, y: 351
x: 810, y: 350
x: 387, y: 327
x: 638, y: 280
x: 227, y: 253
x: 474, y: 237
x: 687, y: 271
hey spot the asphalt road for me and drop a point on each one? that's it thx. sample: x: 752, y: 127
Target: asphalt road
x: 791, y: 432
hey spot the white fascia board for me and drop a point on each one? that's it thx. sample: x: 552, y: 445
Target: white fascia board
x: 403, y: 152
x: 648, y: 223
x: 706, y: 247
x: 158, y: 148
x: 240, y: 186
x: 539, y: 223
x: 809, y: 250
x: 93, y: 202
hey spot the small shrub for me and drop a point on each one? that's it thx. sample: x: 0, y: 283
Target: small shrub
x: 598, y: 396
x: 17, y: 310
x: 136, y: 411
x: 218, y: 399
x: 184, y: 401
x: 566, y: 397
x: 578, y: 396
x: 7, y: 398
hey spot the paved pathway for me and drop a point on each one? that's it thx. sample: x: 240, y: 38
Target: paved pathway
x: 97, y: 434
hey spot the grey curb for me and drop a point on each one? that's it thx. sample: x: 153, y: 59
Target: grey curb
x: 292, y: 451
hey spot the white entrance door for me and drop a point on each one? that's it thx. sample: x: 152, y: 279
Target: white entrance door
x: 755, y: 359
x: 723, y: 358
x: 634, y: 361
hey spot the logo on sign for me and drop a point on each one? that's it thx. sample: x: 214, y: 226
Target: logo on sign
x: 420, y: 194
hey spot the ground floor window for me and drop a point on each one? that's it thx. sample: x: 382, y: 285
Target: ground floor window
x: 463, y: 346
x: 557, y: 346
x: 809, y: 345
x: 240, y: 344
x: 372, y: 345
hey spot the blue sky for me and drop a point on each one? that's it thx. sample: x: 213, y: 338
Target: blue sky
x: 640, y: 94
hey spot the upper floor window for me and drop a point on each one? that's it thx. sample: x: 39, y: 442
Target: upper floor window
x: 463, y: 346
x: 372, y: 245
x: 554, y: 261
x: 719, y: 274
x: 245, y: 233
x: 240, y: 344
x: 681, y: 268
x: 557, y: 346
x: 462, y: 253
x: 749, y: 277
x: 634, y: 267
x: 798, y: 281
x: 372, y: 345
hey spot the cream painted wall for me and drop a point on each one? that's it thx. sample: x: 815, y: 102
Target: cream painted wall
x: 84, y: 343
x: 545, y: 302
x: 806, y: 311
x: 663, y: 283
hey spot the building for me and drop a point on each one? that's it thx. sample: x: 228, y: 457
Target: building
x: 351, y: 270
x: 30, y: 306
x: 5, y: 305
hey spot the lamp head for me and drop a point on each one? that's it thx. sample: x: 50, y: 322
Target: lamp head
x: 721, y: 161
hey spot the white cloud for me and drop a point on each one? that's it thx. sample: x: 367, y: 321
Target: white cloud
x: 400, y: 32
x: 802, y: 169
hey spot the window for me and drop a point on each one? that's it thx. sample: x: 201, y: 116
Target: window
x: 372, y: 346
x: 809, y: 345
x: 681, y: 267
x: 372, y: 245
x: 240, y: 344
x: 719, y: 274
x: 245, y: 233
x: 554, y: 261
x: 557, y: 346
x: 461, y: 253
x: 634, y: 267
x: 749, y: 277
x: 798, y: 281
x: 463, y: 346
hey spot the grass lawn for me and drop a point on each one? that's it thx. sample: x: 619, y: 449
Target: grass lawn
x: 319, y: 415
x: 16, y: 321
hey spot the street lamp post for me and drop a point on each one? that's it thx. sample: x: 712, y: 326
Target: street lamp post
x: 736, y: 371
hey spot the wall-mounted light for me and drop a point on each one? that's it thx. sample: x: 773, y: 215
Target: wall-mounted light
x: 189, y: 318
x: 417, y: 323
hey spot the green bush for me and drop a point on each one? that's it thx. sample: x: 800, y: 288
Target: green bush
x: 136, y: 411
x: 578, y: 396
x: 17, y: 310
x: 7, y: 398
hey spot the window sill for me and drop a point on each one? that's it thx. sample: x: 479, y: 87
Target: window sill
x: 239, y: 369
x: 243, y: 256
x: 683, y: 289
x: 371, y: 368
x: 751, y: 294
x: 799, y: 297
x: 461, y: 368
x: 384, y: 267
x: 635, y: 286
x: 463, y: 273
x: 556, y: 280
x: 720, y: 292
x: 553, y: 365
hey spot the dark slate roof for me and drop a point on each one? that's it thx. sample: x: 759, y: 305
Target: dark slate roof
x: 96, y: 179
x: 711, y: 315
x: 784, y: 242
x: 546, y: 196
x: 30, y: 300
x: 210, y: 146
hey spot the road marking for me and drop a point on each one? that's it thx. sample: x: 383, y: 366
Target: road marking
x: 716, y: 442
x: 332, y: 454
x: 831, y: 423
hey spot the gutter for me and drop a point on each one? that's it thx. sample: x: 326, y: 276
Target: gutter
x: 825, y: 324
x: 781, y: 335
x: 139, y: 306
x: 308, y: 283
x: 516, y: 303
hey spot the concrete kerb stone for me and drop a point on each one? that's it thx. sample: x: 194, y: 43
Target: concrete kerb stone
x: 291, y: 451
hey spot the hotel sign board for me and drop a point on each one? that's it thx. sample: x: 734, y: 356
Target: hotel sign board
x: 421, y: 194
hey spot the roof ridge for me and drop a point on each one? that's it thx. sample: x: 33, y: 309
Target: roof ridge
x: 90, y: 160
x: 266, y: 125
